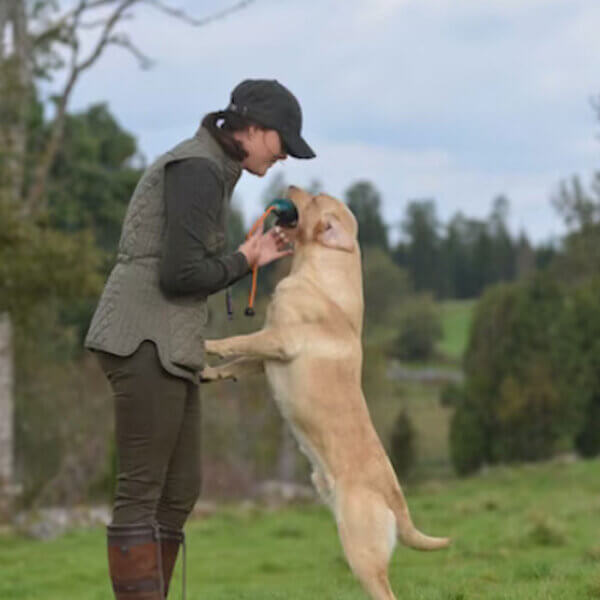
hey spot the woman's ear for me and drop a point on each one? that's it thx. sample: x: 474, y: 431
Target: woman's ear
x: 330, y: 232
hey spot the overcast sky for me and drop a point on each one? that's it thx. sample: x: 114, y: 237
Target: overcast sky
x: 456, y: 100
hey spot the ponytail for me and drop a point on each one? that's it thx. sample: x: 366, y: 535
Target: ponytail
x: 221, y: 124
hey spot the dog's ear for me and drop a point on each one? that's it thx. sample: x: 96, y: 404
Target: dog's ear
x: 331, y: 233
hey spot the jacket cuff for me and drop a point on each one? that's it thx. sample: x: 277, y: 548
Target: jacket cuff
x: 237, y: 266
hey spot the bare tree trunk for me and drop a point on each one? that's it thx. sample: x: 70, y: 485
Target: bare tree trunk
x: 8, y: 488
x: 3, y: 22
x: 15, y: 90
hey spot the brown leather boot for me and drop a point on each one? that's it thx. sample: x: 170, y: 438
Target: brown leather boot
x: 170, y: 540
x: 134, y: 560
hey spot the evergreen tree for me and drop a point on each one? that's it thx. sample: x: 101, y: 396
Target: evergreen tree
x: 364, y: 201
x: 421, y: 227
x: 502, y: 266
x: 93, y: 176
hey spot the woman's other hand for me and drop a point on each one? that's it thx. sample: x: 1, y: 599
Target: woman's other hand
x: 262, y: 248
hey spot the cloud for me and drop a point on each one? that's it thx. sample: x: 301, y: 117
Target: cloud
x: 447, y: 98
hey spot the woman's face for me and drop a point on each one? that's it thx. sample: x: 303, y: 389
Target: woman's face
x: 264, y: 148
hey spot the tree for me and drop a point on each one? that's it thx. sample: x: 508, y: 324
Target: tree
x: 39, y: 264
x: 15, y: 93
x: 532, y: 386
x: 92, y: 178
x: 580, y: 209
x: 474, y: 253
x: 419, y: 328
x: 47, y: 40
x: 522, y: 399
x: 420, y: 226
x: 364, y: 200
x: 386, y: 287
x: 502, y: 264
x: 580, y: 351
x: 525, y: 257
x: 455, y: 262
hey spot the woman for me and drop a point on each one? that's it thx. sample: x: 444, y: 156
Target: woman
x: 149, y: 325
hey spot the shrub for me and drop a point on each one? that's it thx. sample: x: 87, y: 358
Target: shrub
x: 420, y: 329
x: 386, y: 286
x: 580, y: 352
x: 402, y: 445
x: 452, y: 394
x: 516, y: 377
x: 468, y: 448
x: 587, y: 441
x: 532, y: 373
x: 529, y: 415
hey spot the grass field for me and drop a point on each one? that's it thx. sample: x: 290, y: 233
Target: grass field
x: 527, y: 533
x: 456, y: 319
x: 523, y: 533
x: 432, y: 425
x: 430, y: 419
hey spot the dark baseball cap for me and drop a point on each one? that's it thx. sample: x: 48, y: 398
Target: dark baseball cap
x: 272, y: 105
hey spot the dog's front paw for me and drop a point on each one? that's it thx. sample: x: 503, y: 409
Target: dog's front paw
x: 215, y: 373
x: 209, y: 374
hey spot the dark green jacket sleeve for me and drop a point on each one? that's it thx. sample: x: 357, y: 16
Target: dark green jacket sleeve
x: 193, y: 196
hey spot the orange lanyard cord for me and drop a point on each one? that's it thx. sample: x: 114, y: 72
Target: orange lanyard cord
x: 259, y: 223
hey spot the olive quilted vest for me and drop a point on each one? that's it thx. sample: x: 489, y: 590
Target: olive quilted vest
x: 133, y: 308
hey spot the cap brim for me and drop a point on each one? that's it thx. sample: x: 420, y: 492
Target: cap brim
x: 295, y: 146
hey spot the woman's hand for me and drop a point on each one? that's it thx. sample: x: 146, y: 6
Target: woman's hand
x: 262, y: 248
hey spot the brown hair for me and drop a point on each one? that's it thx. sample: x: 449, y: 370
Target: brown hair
x: 221, y: 124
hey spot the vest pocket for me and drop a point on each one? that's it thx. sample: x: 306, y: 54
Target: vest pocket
x: 187, y: 323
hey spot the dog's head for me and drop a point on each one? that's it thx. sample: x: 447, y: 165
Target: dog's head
x: 323, y: 220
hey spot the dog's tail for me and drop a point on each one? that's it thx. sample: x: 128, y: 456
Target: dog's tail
x: 407, y: 533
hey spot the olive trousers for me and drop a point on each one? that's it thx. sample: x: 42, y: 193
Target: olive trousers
x: 157, y: 432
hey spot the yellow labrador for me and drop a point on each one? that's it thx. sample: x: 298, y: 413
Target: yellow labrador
x: 310, y: 349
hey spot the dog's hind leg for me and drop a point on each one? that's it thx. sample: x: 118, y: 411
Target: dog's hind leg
x: 367, y: 529
x: 234, y: 369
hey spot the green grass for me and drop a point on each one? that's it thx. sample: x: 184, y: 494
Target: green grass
x: 456, y: 320
x: 527, y: 533
x: 431, y: 421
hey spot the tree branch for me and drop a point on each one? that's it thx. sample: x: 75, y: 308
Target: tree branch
x: 65, y: 30
x: 183, y: 16
x: 34, y: 200
x: 53, y: 27
x: 124, y: 41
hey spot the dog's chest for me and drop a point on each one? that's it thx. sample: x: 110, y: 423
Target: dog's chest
x: 279, y: 377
